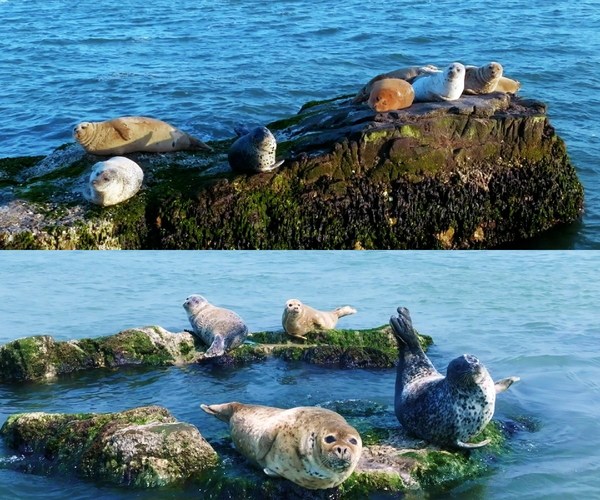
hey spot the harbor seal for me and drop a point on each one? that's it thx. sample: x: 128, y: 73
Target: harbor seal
x: 508, y: 85
x: 446, y: 411
x: 389, y: 94
x: 313, y: 447
x: 130, y: 134
x: 253, y: 151
x: 298, y: 319
x: 446, y: 85
x: 219, y: 328
x: 482, y: 79
x: 113, y: 181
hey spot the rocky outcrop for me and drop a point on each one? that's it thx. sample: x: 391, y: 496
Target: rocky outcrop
x: 479, y: 172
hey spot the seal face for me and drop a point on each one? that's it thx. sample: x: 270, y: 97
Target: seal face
x: 313, y: 447
x: 114, y: 181
x: 253, y: 151
x: 483, y: 79
x: 129, y: 134
x: 389, y: 94
x: 219, y: 328
x: 446, y: 85
x: 447, y: 411
x: 298, y: 319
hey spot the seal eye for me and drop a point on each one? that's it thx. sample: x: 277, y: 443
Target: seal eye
x: 353, y: 441
x: 329, y: 439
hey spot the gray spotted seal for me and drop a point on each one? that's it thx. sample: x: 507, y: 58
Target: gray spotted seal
x: 113, y: 181
x: 446, y: 85
x: 253, y: 151
x: 313, y: 447
x: 130, y: 134
x: 220, y: 329
x: 447, y: 411
x: 298, y: 319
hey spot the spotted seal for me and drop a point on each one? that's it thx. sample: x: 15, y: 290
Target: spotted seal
x: 446, y: 85
x: 113, y: 181
x: 482, y: 79
x: 298, y: 319
x: 447, y: 411
x: 313, y: 447
x: 219, y: 328
x: 130, y: 134
x: 389, y: 94
x: 253, y: 151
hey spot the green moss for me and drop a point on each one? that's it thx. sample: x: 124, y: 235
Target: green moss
x: 134, y: 346
x: 362, y: 485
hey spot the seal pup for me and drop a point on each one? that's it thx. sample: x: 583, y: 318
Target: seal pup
x: 113, y: 181
x: 219, y: 328
x: 253, y: 151
x: 298, y: 319
x: 482, y: 79
x: 408, y: 74
x: 389, y: 94
x: 313, y: 447
x: 446, y: 411
x: 130, y: 134
x: 446, y: 85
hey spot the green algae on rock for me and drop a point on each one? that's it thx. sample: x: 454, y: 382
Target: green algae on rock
x: 142, y: 447
x: 478, y: 172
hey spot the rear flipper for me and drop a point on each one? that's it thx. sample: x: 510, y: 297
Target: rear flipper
x: 505, y: 383
x: 222, y: 412
x: 270, y: 472
x: 403, y: 330
x: 217, y: 348
x: 340, y: 312
x: 275, y: 165
x: 472, y: 446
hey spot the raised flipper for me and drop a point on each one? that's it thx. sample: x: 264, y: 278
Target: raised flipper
x: 222, y: 412
x: 472, y: 446
x: 505, y: 383
x: 403, y: 329
x: 217, y: 348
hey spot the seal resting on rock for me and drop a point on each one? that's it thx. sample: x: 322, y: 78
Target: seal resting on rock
x: 298, y: 319
x: 312, y: 447
x: 219, y: 328
x: 408, y: 74
x: 508, y: 85
x: 447, y: 411
x: 130, y: 134
x: 482, y: 79
x: 253, y: 151
x: 389, y: 94
x: 446, y: 85
x: 113, y: 181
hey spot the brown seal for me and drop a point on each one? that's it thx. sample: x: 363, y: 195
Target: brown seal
x: 298, y: 319
x: 408, y: 74
x: 130, y: 134
x: 313, y: 447
x: 482, y: 79
x: 389, y: 94
x: 507, y: 85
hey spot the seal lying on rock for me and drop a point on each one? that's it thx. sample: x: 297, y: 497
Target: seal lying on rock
x: 446, y: 85
x: 298, y: 319
x: 446, y: 411
x: 130, y: 134
x: 482, y: 79
x: 389, y: 94
x: 113, y: 181
x: 312, y: 447
x: 219, y: 328
x: 253, y: 151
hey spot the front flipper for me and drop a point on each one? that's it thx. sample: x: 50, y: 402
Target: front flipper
x: 122, y: 129
x: 270, y: 472
x: 272, y: 167
x: 505, y: 383
x: 217, y: 348
x: 472, y: 446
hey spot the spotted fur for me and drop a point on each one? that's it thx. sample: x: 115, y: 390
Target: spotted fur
x: 253, y: 151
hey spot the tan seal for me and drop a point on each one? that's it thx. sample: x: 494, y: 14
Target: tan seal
x: 298, y: 319
x: 312, y: 447
x: 219, y: 328
x: 508, y: 85
x: 409, y: 74
x: 113, y: 181
x: 482, y: 79
x: 130, y: 134
x: 389, y: 94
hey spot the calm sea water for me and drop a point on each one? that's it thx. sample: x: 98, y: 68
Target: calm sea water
x: 530, y: 314
x: 205, y: 66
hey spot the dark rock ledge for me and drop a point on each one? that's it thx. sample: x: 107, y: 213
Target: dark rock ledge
x: 479, y: 172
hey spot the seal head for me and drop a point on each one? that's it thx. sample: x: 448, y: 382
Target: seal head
x: 254, y: 151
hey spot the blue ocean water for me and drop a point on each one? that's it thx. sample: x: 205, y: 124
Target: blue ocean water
x: 529, y: 314
x: 205, y: 66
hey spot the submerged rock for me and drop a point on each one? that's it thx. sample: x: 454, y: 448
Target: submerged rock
x: 478, y: 172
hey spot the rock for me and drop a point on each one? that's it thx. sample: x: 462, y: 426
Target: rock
x: 478, y: 172
x: 142, y: 447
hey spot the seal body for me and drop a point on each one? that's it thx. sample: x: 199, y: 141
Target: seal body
x: 446, y: 85
x: 298, y: 319
x: 389, y: 94
x: 313, y: 447
x: 482, y: 79
x: 446, y: 411
x: 219, y: 328
x: 129, y: 134
x: 113, y: 181
x: 253, y: 151
x: 409, y: 74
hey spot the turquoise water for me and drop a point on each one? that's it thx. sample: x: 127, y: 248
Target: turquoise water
x: 530, y: 314
x: 205, y: 66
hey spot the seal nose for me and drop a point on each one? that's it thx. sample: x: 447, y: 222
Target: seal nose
x: 342, y: 452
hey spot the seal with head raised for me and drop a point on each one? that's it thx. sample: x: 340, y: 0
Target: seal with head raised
x: 113, y: 181
x: 253, y: 151
x: 313, y: 447
x: 219, y: 328
x: 446, y: 85
x: 482, y: 79
x: 298, y: 319
x: 389, y: 94
x: 130, y: 134
x: 447, y: 411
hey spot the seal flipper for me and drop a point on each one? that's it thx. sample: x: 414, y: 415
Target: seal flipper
x: 270, y: 472
x: 505, y: 383
x: 272, y: 167
x: 217, y: 348
x: 222, y: 412
x: 197, y: 144
x: 472, y: 446
x: 122, y: 129
x: 403, y: 330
